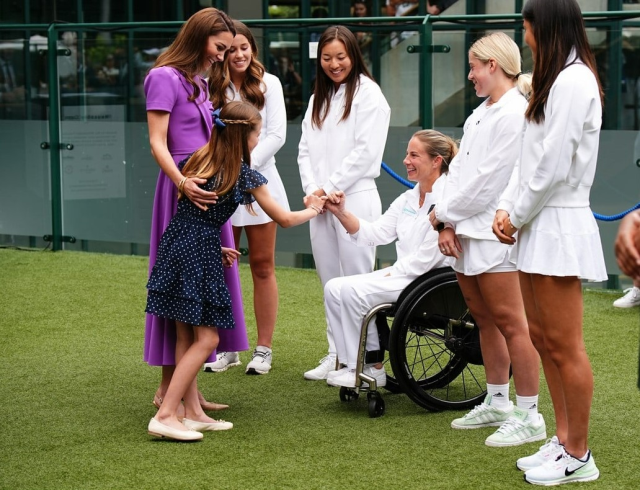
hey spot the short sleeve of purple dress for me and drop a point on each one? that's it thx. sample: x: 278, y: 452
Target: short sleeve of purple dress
x: 189, y: 129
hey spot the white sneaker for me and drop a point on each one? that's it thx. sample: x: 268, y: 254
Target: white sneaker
x: 224, y: 361
x: 630, y: 299
x: 548, y: 452
x: 333, y: 374
x: 483, y: 415
x: 347, y: 377
x: 564, y: 469
x: 379, y: 375
x: 261, y: 361
x: 519, y: 428
x: 327, y: 364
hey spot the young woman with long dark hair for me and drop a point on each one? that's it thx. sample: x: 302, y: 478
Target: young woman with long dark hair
x: 243, y: 77
x: 558, y: 242
x: 344, y: 132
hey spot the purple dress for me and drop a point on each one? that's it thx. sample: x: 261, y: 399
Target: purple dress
x: 189, y: 129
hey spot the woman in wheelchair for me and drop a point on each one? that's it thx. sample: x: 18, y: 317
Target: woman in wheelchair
x: 488, y: 279
x: 349, y: 298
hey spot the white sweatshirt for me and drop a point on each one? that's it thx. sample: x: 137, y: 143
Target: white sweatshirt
x: 345, y: 155
x: 480, y: 172
x: 274, y: 122
x: 417, y: 246
x: 558, y: 159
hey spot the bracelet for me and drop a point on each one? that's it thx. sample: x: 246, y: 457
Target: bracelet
x: 181, y: 184
x: 315, y: 208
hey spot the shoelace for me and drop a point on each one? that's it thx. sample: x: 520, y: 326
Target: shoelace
x: 549, y: 445
x: 478, y: 409
x: 259, y: 353
x: 511, y: 424
x: 326, y: 359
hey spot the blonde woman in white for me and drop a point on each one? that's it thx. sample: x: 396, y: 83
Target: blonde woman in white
x: 343, y: 136
x: 348, y: 299
x: 489, y: 281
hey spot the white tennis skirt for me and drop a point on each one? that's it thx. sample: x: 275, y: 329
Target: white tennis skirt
x: 276, y: 188
x: 561, y: 242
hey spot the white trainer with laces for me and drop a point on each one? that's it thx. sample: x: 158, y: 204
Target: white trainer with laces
x: 547, y: 452
x: 564, y: 469
x: 483, y: 415
x: 630, y: 299
x: 224, y: 361
x: 261, y: 361
x: 327, y: 364
x: 519, y: 428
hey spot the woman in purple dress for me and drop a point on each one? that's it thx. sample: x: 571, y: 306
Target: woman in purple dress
x: 179, y: 117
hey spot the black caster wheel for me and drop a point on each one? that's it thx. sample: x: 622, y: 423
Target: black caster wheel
x: 376, y: 404
x: 348, y: 394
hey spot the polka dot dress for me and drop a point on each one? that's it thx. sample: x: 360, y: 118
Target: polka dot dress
x: 187, y: 282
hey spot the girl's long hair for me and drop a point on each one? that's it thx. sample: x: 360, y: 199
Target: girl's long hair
x: 324, y: 87
x: 501, y: 48
x: 557, y: 29
x: 187, y: 52
x: 252, y: 87
x: 228, y: 147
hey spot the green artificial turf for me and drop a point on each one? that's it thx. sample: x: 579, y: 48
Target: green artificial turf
x: 76, y: 398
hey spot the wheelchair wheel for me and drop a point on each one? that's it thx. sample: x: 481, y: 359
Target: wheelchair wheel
x: 375, y: 404
x: 434, y: 346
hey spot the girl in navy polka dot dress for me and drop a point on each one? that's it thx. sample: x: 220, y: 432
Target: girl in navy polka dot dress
x: 187, y: 284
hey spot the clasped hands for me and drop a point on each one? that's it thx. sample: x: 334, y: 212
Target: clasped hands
x: 334, y: 201
x: 449, y: 244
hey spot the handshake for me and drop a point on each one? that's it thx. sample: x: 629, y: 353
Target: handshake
x: 321, y: 202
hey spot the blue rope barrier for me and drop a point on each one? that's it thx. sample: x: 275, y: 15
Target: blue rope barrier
x: 403, y: 181
x: 618, y: 216
x: 601, y: 217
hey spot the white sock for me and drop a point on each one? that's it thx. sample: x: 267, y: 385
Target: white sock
x: 528, y: 403
x: 263, y: 348
x: 499, y: 395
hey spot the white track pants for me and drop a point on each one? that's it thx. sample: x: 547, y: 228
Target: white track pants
x: 348, y: 299
x: 334, y: 253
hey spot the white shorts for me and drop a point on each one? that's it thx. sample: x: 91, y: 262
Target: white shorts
x: 481, y: 256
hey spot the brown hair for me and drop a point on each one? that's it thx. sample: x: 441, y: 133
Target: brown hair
x: 557, y: 29
x: 438, y: 144
x: 228, y: 147
x: 187, y: 52
x: 324, y: 88
x: 251, y: 90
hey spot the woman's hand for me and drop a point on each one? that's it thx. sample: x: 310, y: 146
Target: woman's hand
x: 500, y: 222
x: 336, y: 202
x: 627, y: 245
x: 312, y: 200
x: 229, y: 256
x: 197, y: 195
x: 448, y: 243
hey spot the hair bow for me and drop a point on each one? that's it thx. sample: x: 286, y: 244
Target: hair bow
x: 216, y: 119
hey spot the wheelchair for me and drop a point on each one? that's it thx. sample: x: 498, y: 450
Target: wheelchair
x: 430, y: 347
